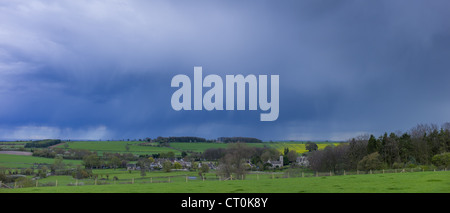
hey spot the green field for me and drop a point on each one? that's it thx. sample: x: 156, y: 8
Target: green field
x: 299, y: 147
x: 122, y: 181
x: 137, y: 148
x: 418, y: 182
x: 176, y: 147
x: 201, y: 147
x: 19, y: 161
x: 12, y: 145
x: 118, y: 147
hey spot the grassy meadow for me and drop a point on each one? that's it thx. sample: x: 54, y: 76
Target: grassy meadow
x: 417, y: 182
x: 19, y: 161
x: 118, y: 147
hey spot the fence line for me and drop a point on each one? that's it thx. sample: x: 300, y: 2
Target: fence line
x: 211, y: 177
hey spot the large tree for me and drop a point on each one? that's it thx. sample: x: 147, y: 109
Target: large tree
x: 372, y: 145
x: 311, y: 146
x: 234, y: 161
x: 91, y: 161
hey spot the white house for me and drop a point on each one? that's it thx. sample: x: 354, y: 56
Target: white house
x: 302, y: 161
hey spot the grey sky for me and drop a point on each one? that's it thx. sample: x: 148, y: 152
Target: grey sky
x: 102, y: 69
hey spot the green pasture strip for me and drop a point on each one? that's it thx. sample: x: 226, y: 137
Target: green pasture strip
x: 417, y: 182
x: 201, y: 147
x: 118, y: 147
x: 20, y: 161
x: 197, y: 147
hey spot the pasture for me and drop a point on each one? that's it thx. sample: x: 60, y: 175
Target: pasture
x: 415, y: 182
x: 119, y: 147
x: 21, y: 161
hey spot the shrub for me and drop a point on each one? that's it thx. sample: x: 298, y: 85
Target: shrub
x: 370, y: 162
x: 397, y: 165
x: 441, y: 160
x: 411, y: 166
x: 24, y: 182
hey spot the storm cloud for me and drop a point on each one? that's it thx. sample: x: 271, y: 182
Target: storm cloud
x: 102, y: 69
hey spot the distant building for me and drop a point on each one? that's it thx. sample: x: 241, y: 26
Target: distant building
x: 277, y: 163
x: 302, y: 161
x: 131, y: 166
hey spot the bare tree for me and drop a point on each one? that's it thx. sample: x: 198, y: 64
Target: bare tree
x: 357, y: 151
x: 234, y: 161
x: 446, y: 126
x: 420, y: 130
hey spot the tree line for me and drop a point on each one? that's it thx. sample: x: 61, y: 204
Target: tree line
x: 239, y: 139
x: 183, y: 139
x: 425, y: 145
x: 190, y: 139
x: 42, y: 143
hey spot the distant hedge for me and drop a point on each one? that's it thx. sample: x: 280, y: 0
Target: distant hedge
x: 179, y: 139
x: 42, y: 143
x: 239, y: 139
x: 188, y: 139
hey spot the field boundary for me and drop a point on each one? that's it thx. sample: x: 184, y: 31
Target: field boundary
x: 255, y: 176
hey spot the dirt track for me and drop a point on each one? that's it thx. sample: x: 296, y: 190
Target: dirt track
x: 15, y: 153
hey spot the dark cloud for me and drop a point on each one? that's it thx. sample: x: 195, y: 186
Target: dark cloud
x: 88, y: 70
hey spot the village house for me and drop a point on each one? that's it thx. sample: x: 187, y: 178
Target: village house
x: 302, y: 161
x: 132, y: 166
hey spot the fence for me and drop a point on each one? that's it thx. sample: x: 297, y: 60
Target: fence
x: 69, y: 181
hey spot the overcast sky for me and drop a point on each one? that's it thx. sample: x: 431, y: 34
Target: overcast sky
x: 103, y: 69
